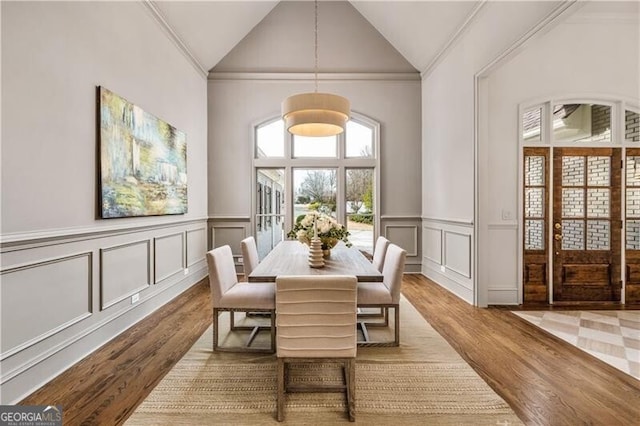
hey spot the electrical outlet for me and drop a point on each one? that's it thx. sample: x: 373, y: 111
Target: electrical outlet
x: 240, y: 261
x: 186, y: 271
x: 135, y: 298
x: 442, y: 268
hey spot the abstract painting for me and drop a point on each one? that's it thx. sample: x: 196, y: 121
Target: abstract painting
x: 143, y: 161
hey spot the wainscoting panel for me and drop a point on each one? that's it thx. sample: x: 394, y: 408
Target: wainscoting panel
x: 67, y: 292
x: 405, y: 232
x: 169, y: 256
x: 43, y: 298
x: 196, y: 246
x: 448, y: 255
x: 503, y: 286
x: 230, y: 235
x: 124, y: 270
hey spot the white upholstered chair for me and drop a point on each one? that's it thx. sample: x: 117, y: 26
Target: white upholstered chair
x: 316, y: 320
x: 385, y: 295
x: 379, y: 252
x: 229, y: 295
x: 250, y: 258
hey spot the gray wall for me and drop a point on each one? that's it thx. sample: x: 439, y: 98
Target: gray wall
x: 67, y: 277
x: 248, y: 85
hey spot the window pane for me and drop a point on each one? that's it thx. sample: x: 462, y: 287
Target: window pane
x: 572, y: 235
x: 633, y: 202
x: 359, y: 192
x: 270, y: 140
x: 572, y: 202
x: 598, y: 171
x: 582, y: 122
x: 598, y: 202
x: 534, y: 170
x: 633, y: 171
x: 534, y: 202
x: 307, y: 146
x: 359, y: 140
x: 531, y: 125
x: 632, y: 126
x: 633, y: 235
x: 534, y: 234
x: 269, y: 209
x: 597, y: 235
x: 314, y: 189
x: 572, y: 171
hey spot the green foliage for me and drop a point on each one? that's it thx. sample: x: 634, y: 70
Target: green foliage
x: 360, y: 218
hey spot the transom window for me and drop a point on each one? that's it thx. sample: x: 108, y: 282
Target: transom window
x: 335, y: 175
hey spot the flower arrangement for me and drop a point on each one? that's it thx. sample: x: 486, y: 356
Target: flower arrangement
x: 329, y: 230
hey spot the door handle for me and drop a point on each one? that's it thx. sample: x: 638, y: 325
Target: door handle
x: 557, y: 237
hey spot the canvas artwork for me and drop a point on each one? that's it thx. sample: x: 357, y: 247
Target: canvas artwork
x: 143, y: 161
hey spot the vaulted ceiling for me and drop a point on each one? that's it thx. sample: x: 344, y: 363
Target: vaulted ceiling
x: 418, y: 30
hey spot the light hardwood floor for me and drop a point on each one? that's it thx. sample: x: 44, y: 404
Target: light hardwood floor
x: 545, y: 380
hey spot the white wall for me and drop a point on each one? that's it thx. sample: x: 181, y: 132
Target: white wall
x: 594, y: 54
x: 67, y: 277
x: 448, y: 120
x: 249, y: 85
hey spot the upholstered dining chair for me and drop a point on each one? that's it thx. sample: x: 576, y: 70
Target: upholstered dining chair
x: 250, y: 258
x: 227, y: 294
x: 316, y: 320
x: 379, y: 252
x: 385, y: 295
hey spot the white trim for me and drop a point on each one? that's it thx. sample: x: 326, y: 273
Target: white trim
x: 309, y: 76
x: 174, y: 37
x: 238, y: 218
x: 453, y: 39
x: 400, y: 217
x: 503, y: 226
x: 450, y: 221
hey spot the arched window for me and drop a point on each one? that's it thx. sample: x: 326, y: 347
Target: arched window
x: 336, y: 175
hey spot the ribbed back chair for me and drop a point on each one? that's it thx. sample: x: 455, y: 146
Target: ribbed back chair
x: 227, y: 294
x: 384, y: 295
x: 316, y: 320
x: 250, y: 258
x: 379, y: 252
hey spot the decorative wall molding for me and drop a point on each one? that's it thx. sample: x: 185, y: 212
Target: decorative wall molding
x: 105, y: 284
x: 453, y: 39
x: 400, y: 217
x: 427, y: 254
x: 413, y: 237
x: 191, y: 260
x: 164, y: 268
x: 174, y: 37
x: 463, y: 270
x: 511, y: 226
x: 449, y: 221
x: 229, y: 218
x: 55, y: 236
x: 309, y: 76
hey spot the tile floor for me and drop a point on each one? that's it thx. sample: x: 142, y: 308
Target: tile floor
x: 611, y: 336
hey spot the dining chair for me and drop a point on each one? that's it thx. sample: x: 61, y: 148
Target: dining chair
x: 316, y: 320
x: 227, y: 294
x: 385, y: 294
x: 379, y: 252
x: 250, y: 258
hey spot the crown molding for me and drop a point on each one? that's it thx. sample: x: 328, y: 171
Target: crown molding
x: 174, y: 37
x: 304, y: 76
x: 453, y: 39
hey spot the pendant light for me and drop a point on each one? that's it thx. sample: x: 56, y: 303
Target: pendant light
x: 315, y: 114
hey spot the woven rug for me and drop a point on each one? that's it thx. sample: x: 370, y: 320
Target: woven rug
x: 424, y: 381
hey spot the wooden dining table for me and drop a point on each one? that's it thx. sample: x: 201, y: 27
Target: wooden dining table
x: 290, y: 257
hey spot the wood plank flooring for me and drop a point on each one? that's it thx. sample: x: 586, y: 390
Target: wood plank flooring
x: 545, y: 380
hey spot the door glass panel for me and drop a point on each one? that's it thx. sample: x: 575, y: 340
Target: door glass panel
x: 534, y: 202
x: 534, y: 234
x: 633, y: 235
x: 632, y: 126
x: 582, y: 122
x: 270, y: 140
x: 534, y: 170
x: 633, y: 202
x: 572, y: 235
x: 314, y: 190
x: 360, y: 214
x: 318, y: 147
x: 598, y: 202
x: 531, y: 125
x: 359, y: 140
x: 598, y: 235
x: 269, y: 209
x: 572, y: 202
x: 598, y: 171
x: 572, y: 171
x: 633, y: 171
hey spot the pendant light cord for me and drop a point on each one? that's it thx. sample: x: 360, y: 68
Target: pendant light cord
x: 316, y: 44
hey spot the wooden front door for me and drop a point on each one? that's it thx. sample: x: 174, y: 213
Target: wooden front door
x: 586, y: 224
x: 632, y: 243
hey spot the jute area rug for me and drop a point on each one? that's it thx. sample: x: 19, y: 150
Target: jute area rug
x: 422, y: 382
